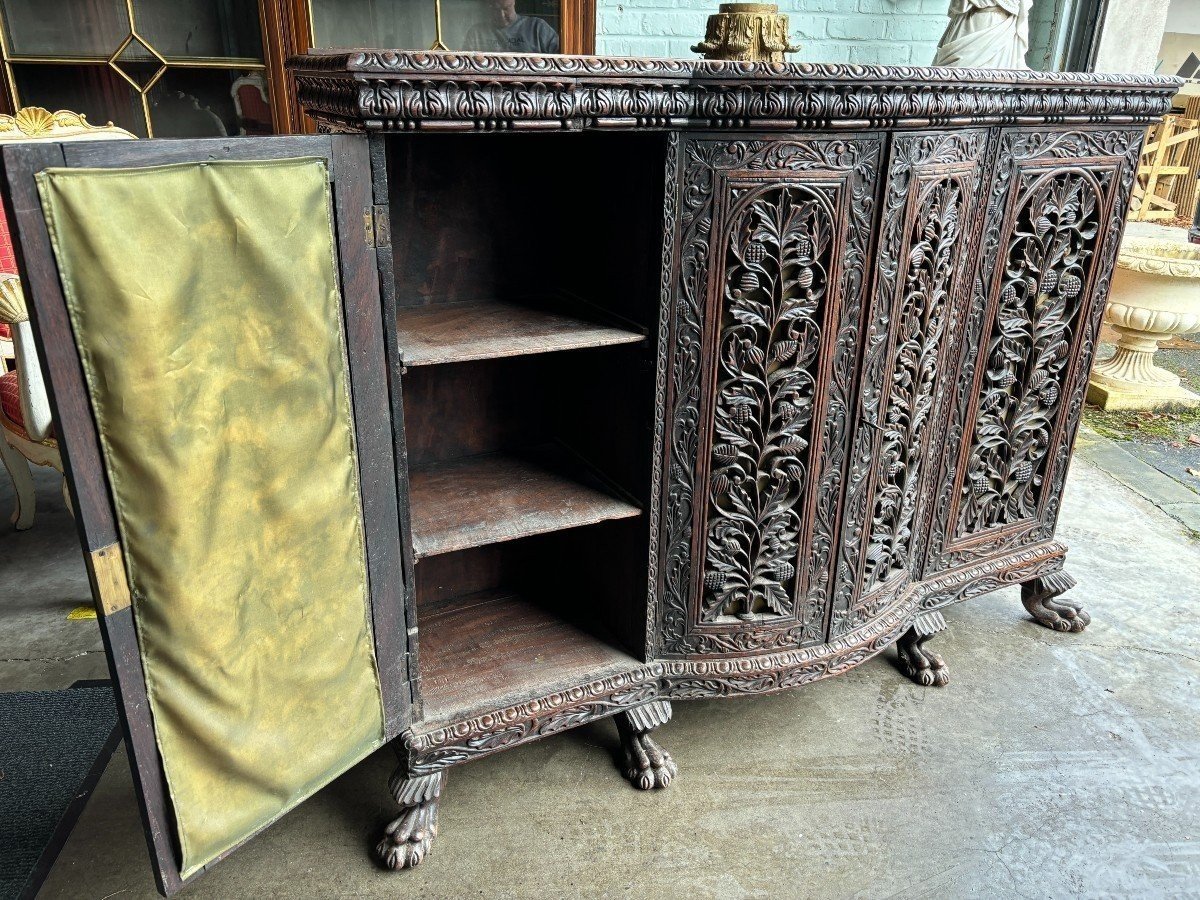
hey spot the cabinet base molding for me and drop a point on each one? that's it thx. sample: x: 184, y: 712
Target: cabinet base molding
x: 1042, y: 599
x: 923, y: 666
x: 407, y: 838
x: 969, y: 581
x: 646, y: 765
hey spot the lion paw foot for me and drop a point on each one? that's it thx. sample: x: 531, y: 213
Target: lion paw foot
x: 925, y: 668
x: 1043, y: 600
x: 407, y: 839
x: 1061, y: 614
x: 647, y: 765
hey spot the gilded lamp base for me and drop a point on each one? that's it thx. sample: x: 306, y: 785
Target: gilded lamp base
x: 746, y: 32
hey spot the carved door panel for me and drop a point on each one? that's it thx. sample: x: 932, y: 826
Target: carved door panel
x: 764, y: 286
x: 927, y: 232
x: 1054, y: 221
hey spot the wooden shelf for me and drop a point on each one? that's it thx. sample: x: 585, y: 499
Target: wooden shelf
x: 497, y: 497
x: 492, y: 648
x: 467, y: 331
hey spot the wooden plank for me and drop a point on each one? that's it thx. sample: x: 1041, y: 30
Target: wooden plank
x: 488, y: 330
x: 377, y: 147
x: 149, y: 781
x: 498, y: 497
x: 372, y: 424
x: 110, y: 584
x: 86, y: 154
x: 1168, y: 166
x: 489, y: 649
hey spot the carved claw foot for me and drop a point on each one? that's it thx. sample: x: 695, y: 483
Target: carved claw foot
x: 1042, y: 600
x: 646, y: 764
x: 406, y: 840
x: 921, y: 665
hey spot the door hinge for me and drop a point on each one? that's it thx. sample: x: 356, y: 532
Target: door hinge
x: 375, y: 226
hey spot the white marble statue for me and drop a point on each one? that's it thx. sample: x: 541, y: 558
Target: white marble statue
x: 986, y: 34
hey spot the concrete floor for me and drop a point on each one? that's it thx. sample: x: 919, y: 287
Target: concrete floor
x: 1053, y: 765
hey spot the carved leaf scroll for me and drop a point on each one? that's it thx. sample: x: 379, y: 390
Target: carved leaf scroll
x: 930, y: 269
x: 776, y: 278
x: 727, y: 191
x: 1047, y: 267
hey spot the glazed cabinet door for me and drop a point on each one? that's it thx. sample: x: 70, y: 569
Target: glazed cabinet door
x: 1028, y: 338
x: 928, y: 229
x: 765, y: 277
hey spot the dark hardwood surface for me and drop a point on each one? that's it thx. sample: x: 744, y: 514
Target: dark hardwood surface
x: 492, y: 329
x: 484, y: 649
x: 501, y: 497
x: 363, y: 318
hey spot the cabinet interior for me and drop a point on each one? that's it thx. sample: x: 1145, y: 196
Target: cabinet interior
x: 527, y: 309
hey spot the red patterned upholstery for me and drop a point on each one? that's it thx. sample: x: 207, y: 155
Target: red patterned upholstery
x: 10, y: 398
x: 8, y: 259
x: 8, y: 263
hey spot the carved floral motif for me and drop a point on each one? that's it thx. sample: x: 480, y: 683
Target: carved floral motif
x: 838, y: 173
x: 1105, y: 159
x: 931, y: 266
x: 776, y: 277
x: 396, y: 90
x: 910, y: 308
x: 1047, y: 267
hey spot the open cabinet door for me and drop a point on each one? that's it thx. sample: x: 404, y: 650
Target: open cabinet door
x: 208, y: 316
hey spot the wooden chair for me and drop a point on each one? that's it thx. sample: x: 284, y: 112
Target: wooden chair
x: 26, y: 424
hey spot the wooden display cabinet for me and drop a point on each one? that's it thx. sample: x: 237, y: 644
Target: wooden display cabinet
x: 797, y: 364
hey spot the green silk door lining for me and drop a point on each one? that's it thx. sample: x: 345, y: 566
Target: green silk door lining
x: 205, y: 305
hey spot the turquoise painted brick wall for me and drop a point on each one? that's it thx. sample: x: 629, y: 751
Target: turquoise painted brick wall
x: 891, y: 32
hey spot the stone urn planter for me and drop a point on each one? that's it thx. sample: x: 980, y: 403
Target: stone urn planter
x: 1155, y: 295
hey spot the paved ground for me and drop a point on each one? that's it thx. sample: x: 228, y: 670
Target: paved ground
x: 1168, y: 443
x: 1053, y: 765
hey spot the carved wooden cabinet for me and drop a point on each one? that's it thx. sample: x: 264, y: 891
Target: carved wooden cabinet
x: 798, y: 362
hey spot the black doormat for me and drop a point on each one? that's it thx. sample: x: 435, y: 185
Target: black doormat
x: 54, y: 746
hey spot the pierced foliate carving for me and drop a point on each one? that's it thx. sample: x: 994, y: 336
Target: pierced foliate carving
x: 776, y: 277
x: 926, y: 233
x: 814, y: 198
x: 1047, y: 266
x: 976, y: 512
x: 931, y: 266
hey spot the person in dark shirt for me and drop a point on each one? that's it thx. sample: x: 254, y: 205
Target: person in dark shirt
x: 507, y: 31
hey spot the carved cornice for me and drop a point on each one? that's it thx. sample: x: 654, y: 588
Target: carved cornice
x: 378, y: 90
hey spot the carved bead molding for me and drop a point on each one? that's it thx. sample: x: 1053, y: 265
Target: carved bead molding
x: 926, y: 234
x: 1047, y: 252
x: 439, y: 746
x: 784, y: 302
x: 393, y: 90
